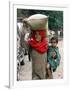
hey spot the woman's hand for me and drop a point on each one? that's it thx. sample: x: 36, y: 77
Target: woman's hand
x: 48, y: 65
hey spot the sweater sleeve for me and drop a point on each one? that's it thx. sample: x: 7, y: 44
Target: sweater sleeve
x: 51, y: 61
x: 58, y: 57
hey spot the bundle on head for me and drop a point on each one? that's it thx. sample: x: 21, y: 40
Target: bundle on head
x: 38, y: 21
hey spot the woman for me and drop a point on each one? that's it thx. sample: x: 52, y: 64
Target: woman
x: 38, y: 45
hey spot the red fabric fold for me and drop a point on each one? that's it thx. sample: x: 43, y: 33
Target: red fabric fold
x: 42, y: 46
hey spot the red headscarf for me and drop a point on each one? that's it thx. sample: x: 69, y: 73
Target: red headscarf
x: 42, y: 46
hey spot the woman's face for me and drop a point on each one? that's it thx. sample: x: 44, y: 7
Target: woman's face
x: 38, y: 37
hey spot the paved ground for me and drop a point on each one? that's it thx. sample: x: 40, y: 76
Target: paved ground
x: 59, y: 72
x: 26, y: 70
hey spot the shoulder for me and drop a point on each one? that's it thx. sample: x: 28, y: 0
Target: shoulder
x: 49, y: 48
x: 57, y: 48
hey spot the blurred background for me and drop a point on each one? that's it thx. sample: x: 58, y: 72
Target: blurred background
x: 55, y: 20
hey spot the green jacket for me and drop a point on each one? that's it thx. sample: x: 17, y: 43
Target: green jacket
x: 53, y: 62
